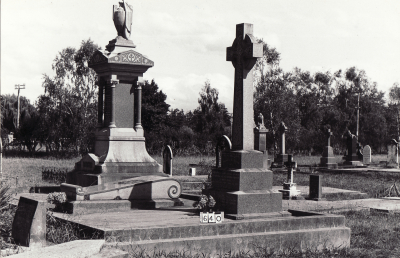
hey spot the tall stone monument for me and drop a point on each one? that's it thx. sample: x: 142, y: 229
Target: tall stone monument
x: 328, y: 158
x: 241, y: 185
x: 119, y: 151
x: 351, y: 157
x: 260, y: 139
x: 282, y: 157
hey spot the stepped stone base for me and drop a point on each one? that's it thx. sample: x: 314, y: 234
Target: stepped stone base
x: 120, y: 153
x: 244, y: 191
x: 174, y: 230
x: 328, y: 159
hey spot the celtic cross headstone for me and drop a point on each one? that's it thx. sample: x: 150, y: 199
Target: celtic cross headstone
x: 243, y: 54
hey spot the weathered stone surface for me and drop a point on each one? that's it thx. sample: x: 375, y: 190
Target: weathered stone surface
x: 138, y: 188
x: 29, y: 224
x: 392, y: 153
x: 76, y: 249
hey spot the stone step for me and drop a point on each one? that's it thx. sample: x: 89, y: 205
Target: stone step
x: 98, y: 206
x: 302, y: 221
x: 198, y: 185
x: 304, y: 239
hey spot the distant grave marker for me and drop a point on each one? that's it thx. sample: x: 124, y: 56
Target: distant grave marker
x: 392, y: 152
x: 167, y: 160
x: 367, y: 155
x: 223, y: 144
x: 315, y: 191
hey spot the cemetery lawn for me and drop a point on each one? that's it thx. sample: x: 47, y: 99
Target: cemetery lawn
x: 372, y: 234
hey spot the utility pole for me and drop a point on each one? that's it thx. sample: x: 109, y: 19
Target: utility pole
x: 358, y: 114
x: 19, y: 87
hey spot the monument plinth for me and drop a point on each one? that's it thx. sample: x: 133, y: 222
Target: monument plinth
x: 119, y: 151
x: 328, y: 159
x: 242, y: 185
x: 351, y: 157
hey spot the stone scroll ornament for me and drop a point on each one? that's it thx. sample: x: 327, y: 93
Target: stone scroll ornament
x: 122, y: 17
x: 174, y: 192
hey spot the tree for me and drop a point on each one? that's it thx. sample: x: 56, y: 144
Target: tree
x: 211, y: 119
x: 154, y: 115
x: 68, y: 107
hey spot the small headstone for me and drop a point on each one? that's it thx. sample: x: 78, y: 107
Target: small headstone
x: 290, y: 188
x: 260, y: 139
x: 328, y: 159
x: 223, y: 144
x: 315, y: 191
x: 367, y: 155
x: 29, y: 225
x: 167, y: 160
x: 192, y: 171
x: 282, y: 157
x: 392, y: 153
x: 352, y: 158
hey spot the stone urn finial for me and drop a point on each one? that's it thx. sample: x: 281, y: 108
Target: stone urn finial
x: 122, y: 16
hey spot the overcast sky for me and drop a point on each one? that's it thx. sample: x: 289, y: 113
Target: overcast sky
x: 187, y: 40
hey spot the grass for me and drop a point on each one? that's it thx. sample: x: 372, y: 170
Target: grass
x: 27, y: 172
x: 373, y: 234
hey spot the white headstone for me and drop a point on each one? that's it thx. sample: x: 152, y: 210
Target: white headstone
x: 367, y: 155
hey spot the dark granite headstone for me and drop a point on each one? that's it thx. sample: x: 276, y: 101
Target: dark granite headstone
x: 223, y: 144
x: 315, y: 191
x: 29, y: 225
x: 242, y: 185
x: 351, y: 158
x: 167, y: 160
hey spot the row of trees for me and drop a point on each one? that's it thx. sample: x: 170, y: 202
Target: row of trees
x: 64, y: 117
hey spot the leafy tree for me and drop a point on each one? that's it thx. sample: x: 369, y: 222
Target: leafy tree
x: 68, y: 107
x: 154, y: 115
x: 211, y: 119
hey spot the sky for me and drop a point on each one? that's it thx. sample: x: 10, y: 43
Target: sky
x: 187, y: 40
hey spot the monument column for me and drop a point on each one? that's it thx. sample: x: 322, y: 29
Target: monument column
x: 113, y: 82
x: 100, y: 104
x: 138, y: 101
